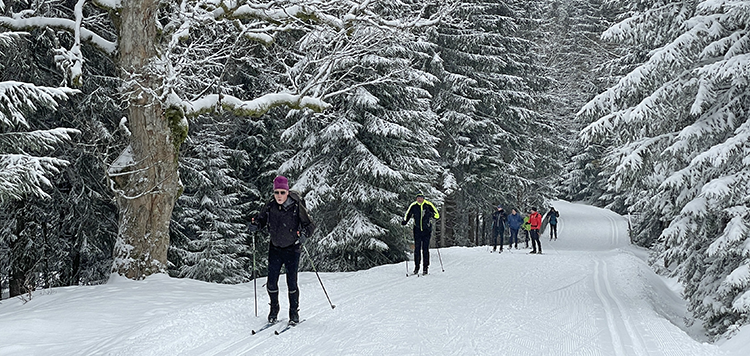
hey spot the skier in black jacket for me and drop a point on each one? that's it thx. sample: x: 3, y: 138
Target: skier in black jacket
x: 288, y: 225
x: 552, y: 215
x: 499, y: 218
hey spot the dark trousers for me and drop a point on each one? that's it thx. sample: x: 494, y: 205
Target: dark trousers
x: 497, y: 232
x: 536, y: 245
x: 552, y: 231
x: 514, y: 237
x: 289, y: 257
x: 422, y: 248
x: 526, y: 237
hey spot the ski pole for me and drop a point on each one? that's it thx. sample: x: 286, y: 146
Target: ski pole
x: 441, y: 259
x: 319, y: 280
x: 406, y: 263
x: 255, y: 280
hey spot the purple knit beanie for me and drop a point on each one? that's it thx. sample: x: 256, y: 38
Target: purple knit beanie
x: 280, y: 182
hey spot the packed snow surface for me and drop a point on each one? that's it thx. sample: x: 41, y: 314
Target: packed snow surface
x: 589, y: 293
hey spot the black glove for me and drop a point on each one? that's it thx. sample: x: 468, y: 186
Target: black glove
x: 403, y: 222
x: 252, y: 227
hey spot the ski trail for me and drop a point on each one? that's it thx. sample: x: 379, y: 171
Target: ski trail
x: 623, y: 311
x: 613, y: 227
x: 618, y: 315
x: 608, y: 312
x: 248, y: 343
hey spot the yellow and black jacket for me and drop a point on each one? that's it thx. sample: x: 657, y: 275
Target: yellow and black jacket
x: 421, y: 214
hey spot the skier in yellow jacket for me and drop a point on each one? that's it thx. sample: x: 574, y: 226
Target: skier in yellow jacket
x: 421, y: 210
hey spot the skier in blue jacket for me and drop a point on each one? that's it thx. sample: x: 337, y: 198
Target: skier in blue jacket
x: 553, y: 215
x: 514, y: 224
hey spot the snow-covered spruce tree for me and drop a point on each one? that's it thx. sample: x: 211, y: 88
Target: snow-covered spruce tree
x: 680, y: 138
x: 361, y: 163
x: 493, y: 140
x: 146, y: 39
x: 26, y: 168
x: 23, y: 174
x: 208, y: 215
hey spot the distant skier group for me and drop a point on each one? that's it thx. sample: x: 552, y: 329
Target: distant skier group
x: 531, y: 224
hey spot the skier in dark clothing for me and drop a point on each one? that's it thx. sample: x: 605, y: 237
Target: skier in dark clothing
x: 288, y: 225
x: 514, y: 224
x: 552, y: 214
x: 499, y: 218
x: 421, y: 210
x: 535, y: 219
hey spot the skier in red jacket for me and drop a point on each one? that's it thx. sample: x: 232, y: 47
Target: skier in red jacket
x: 535, y: 219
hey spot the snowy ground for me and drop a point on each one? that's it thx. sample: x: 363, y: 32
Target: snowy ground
x: 590, y: 293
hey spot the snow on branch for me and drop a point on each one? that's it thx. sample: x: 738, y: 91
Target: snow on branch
x: 284, y: 13
x: 719, y: 154
x: 108, y: 47
x: 17, y: 97
x: 109, y: 4
x: 280, y: 15
x: 255, y: 107
x: 739, y: 278
x: 71, y: 61
x: 22, y: 175
x: 715, y: 76
x: 7, y: 37
x: 35, y: 140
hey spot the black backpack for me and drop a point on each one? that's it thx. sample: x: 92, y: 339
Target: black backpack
x: 298, y: 198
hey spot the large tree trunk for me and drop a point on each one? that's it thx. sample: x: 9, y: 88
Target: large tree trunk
x: 146, y: 174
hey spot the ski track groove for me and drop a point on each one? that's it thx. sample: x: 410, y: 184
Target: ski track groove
x: 231, y: 347
x: 626, y: 316
x: 608, y: 312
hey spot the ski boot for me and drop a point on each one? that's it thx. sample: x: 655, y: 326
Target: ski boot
x: 273, y: 315
x: 294, y: 307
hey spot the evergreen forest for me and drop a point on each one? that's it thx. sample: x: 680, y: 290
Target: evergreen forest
x: 141, y: 136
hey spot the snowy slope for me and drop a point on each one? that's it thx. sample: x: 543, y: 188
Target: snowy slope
x: 590, y: 293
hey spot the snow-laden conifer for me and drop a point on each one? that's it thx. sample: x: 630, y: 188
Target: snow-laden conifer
x: 361, y: 163
x: 209, y: 221
x: 21, y: 171
x: 677, y: 131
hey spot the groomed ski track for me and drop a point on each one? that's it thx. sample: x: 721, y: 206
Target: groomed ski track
x: 589, y: 293
x: 572, y: 300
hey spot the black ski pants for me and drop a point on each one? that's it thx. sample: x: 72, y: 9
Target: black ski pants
x: 553, y: 231
x: 536, y: 245
x: 289, y: 257
x: 497, y: 232
x: 422, y: 248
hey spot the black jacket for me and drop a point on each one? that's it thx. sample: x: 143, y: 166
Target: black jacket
x: 421, y: 214
x: 498, y: 219
x: 287, y: 224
